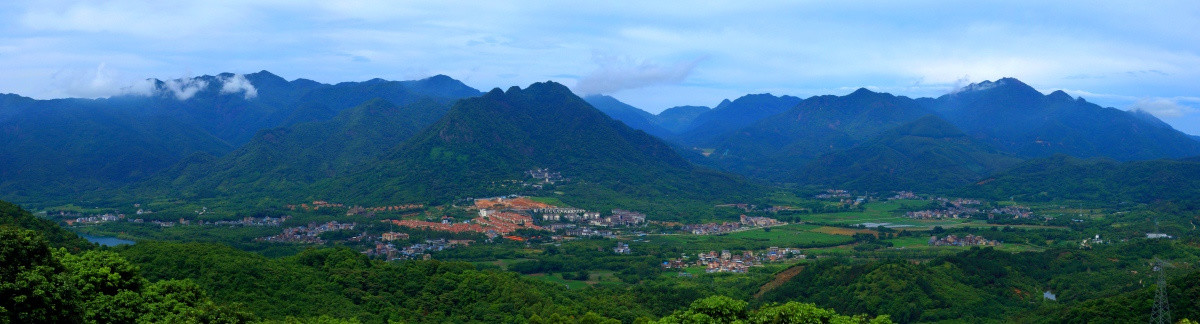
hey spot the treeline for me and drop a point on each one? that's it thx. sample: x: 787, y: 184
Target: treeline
x: 41, y: 284
x: 13, y: 215
x: 983, y: 284
x: 1063, y: 177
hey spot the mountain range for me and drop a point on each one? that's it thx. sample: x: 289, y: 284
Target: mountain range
x: 259, y: 137
x: 73, y: 146
x: 430, y: 153
x: 925, y: 155
x: 1005, y: 117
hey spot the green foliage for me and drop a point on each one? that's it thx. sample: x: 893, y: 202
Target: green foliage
x: 926, y: 155
x: 344, y: 284
x: 1062, y: 177
x: 721, y: 309
x: 280, y: 163
x: 1183, y: 293
x: 13, y: 215
x: 31, y: 280
x: 38, y: 284
x: 484, y: 143
x: 987, y: 284
x: 778, y: 145
x: 91, y: 149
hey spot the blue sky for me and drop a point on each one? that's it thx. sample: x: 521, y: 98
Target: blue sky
x: 653, y: 55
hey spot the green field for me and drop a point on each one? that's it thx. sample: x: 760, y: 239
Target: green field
x: 594, y: 277
x: 885, y: 212
x: 922, y: 242
x: 501, y: 263
x: 753, y: 239
x: 549, y: 200
x: 556, y: 279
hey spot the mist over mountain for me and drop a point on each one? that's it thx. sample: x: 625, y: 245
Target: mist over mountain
x: 678, y: 119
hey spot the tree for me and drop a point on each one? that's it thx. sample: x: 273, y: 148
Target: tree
x: 41, y: 285
x: 713, y: 309
x: 31, y: 282
x: 721, y: 309
x: 795, y: 312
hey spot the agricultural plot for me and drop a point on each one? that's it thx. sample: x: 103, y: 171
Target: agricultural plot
x: 754, y: 239
x: 594, y: 277
x: 923, y: 243
x: 884, y: 212
x: 556, y: 279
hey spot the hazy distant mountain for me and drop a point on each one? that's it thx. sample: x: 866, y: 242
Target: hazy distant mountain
x: 732, y: 115
x: 630, y: 115
x: 1014, y: 117
x: 926, y: 155
x: 678, y: 119
x: 1006, y: 115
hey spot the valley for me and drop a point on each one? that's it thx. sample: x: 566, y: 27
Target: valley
x: 396, y: 200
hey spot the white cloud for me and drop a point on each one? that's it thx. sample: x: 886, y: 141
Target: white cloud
x: 238, y: 83
x: 91, y: 83
x: 1163, y: 107
x: 140, y: 88
x: 185, y: 88
x: 623, y: 73
x: 98, y: 83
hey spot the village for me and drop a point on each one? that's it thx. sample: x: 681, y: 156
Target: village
x: 968, y: 240
x: 307, y: 234
x: 388, y: 251
x: 110, y: 217
x: 500, y: 216
x: 727, y: 261
x: 959, y: 211
x: 746, y: 222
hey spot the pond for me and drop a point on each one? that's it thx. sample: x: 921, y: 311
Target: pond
x: 106, y: 240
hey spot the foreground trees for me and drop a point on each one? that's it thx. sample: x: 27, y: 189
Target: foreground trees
x: 39, y: 284
x: 721, y: 309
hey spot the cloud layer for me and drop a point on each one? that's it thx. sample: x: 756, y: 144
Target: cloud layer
x: 1163, y: 107
x: 623, y: 73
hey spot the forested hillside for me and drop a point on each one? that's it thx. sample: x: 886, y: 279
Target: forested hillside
x: 926, y: 155
x: 498, y: 137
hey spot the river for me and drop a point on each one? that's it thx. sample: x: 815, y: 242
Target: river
x: 106, y: 240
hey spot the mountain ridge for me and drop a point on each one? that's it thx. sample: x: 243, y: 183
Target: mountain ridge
x: 136, y: 136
